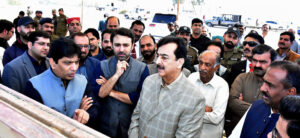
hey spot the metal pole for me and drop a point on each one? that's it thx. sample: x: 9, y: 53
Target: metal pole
x: 82, y: 13
x: 177, y: 10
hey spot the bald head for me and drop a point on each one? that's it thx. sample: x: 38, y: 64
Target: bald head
x: 112, y: 22
x: 209, y: 63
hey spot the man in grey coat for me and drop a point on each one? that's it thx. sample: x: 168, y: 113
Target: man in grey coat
x: 31, y: 63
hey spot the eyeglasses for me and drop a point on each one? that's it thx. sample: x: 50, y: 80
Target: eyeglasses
x: 84, y: 46
x: 43, y: 44
x: 250, y: 43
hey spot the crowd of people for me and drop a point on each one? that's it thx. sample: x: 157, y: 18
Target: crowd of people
x: 124, y: 83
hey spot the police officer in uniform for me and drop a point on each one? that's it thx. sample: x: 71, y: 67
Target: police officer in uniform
x: 232, y: 54
x: 61, y: 28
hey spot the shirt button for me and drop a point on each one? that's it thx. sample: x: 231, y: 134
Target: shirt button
x: 257, y: 132
x: 265, y: 120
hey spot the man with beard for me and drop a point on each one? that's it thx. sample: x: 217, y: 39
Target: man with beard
x: 94, y: 38
x: 120, y: 93
x: 192, y: 53
x: 148, y: 48
x: 281, y: 79
x: 74, y: 26
x: 170, y: 105
x: 215, y: 91
x: 47, y: 25
x: 25, y: 27
x: 232, y: 54
x: 6, y: 32
x: 137, y: 28
x: 106, y: 45
x: 245, y: 88
x: 31, y: 63
x: 197, y: 40
x: 88, y: 66
x: 251, y: 40
x: 16, y: 20
x: 284, y: 52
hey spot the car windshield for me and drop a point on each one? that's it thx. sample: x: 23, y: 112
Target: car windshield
x: 164, y: 18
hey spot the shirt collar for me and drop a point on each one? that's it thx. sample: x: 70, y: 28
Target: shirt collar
x: 173, y: 84
x: 212, y: 82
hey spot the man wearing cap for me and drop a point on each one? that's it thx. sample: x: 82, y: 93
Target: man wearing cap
x: 192, y: 53
x: 245, y: 88
x: 37, y: 18
x: 26, y: 25
x: 232, y: 54
x: 74, y: 25
x: 251, y: 40
x: 31, y: 63
x: 197, y: 40
x: 61, y: 28
x: 171, y: 28
x: 46, y: 24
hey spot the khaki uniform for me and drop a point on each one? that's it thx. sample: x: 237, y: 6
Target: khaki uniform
x: 192, y: 55
x: 53, y: 38
x: 231, y: 57
x: 61, y: 28
x: 37, y: 22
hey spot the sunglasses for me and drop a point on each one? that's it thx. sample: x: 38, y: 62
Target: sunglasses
x: 250, y: 43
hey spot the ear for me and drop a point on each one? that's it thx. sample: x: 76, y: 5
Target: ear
x: 52, y: 63
x: 29, y: 44
x: 18, y: 29
x: 180, y: 63
x: 292, y: 91
x: 217, y: 68
x: 155, y: 46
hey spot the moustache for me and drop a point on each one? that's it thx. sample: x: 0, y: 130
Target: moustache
x: 160, y: 67
x: 282, y: 43
x: 247, y: 50
x: 229, y: 42
x: 203, y: 72
x: 257, y: 68
x: 265, y: 94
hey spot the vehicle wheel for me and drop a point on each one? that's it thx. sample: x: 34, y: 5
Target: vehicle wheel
x: 209, y: 25
x: 229, y: 25
x: 139, y: 18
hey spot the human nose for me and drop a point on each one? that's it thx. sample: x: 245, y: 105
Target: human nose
x: 158, y: 60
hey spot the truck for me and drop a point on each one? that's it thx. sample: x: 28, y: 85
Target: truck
x: 227, y: 20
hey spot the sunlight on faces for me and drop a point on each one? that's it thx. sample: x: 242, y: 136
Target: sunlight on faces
x: 260, y: 63
x: 147, y: 47
x: 167, y: 64
x: 196, y: 28
x: 25, y: 30
x: 137, y: 30
x: 94, y: 42
x: 230, y: 40
x: 284, y: 42
x: 122, y: 46
x: 40, y: 48
x: 82, y: 41
x: 112, y: 23
x: 66, y: 67
x: 272, y: 88
x: 207, y: 65
x: 248, y: 49
x: 74, y: 27
x: 48, y: 27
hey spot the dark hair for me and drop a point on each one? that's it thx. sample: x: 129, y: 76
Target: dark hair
x: 262, y: 48
x: 78, y: 34
x: 237, y: 25
x: 137, y: 22
x: 292, y: 78
x: 22, y: 13
x: 5, y: 25
x: 93, y: 31
x: 108, y: 31
x: 218, y: 44
x: 63, y: 47
x: 289, y: 109
x: 256, y: 36
x: 292, y: 36
x: 33, y: 36
x: 197, y: 20
x: 110, y: 17
x: 122, y: 32
x: 153, y: 39
x: 180, y: 51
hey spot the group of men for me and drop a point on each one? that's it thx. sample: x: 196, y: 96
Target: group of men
x: 125, y: 84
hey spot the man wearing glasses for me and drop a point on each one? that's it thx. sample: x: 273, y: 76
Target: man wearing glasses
x: 245, y: 88
x: 88, y: 66
x: 31, y: 63
x: 280, y: 80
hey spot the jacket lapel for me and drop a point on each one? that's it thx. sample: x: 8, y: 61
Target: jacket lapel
x: 28, y: 65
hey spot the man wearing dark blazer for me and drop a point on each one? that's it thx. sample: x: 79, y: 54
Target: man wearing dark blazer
x: 251, y: 40
x: 31, y: 63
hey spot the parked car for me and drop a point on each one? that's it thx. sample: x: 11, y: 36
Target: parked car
x: 158, y: 27
x: 225, y: 20
x: 274, y: 25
